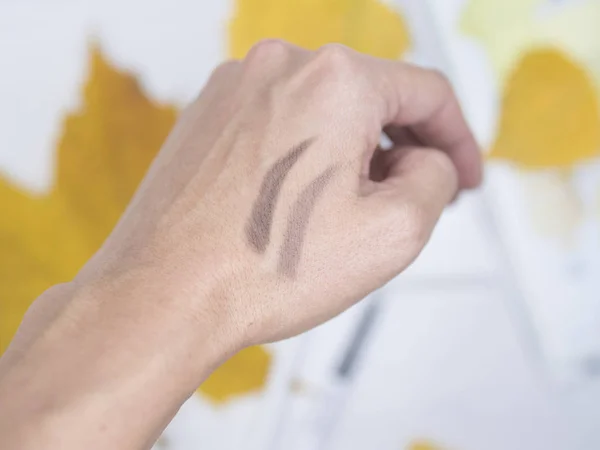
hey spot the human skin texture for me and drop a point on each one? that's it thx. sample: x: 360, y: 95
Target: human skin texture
x: 258, y: 229
x: 269, y: 210
x: 297, y: 223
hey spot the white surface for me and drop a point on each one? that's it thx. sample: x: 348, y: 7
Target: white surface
x: 447, y: 366
x: 562, y: 301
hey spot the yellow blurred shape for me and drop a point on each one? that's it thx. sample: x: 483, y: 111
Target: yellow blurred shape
x: 103, y: 152
x: 244, y: 373
x: 549, y: 114
x: 482, y: 17
x: 508, y: 28
x: 423, y: 445
x: 368, y: 26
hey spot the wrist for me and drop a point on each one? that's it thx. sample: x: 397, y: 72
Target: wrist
x: 151, y: 317
x: 118, y: 349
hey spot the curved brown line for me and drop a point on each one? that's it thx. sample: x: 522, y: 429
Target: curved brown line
x: 298, y: 219
x: 258, y: 227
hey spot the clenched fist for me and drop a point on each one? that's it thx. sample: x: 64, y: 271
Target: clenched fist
x: 269, y: 210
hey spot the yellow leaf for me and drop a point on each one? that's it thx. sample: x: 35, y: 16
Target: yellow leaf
x: 105, y: 148
x: 103, y: 152
x: 244, y: 373
x: 368, y: 26
x: 549, y: 115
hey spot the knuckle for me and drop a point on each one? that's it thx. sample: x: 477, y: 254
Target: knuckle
x: 335, y: 59
x: 338, y: 72
x: 267, y: 51
x: 442, y: 162
x: 440, y: 169
x: 434, y: 162
x: 335, y: 54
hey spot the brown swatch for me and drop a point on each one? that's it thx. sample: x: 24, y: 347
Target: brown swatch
x: 298, y: 221
x: 258, y: 227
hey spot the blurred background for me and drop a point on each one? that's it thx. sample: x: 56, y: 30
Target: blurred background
x: 491, y: 341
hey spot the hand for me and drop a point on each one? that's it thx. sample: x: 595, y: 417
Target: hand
x: 270, y: 208
x: 262, y: 206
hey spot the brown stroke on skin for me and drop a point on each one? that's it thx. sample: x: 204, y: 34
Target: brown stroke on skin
x: 258, y: 227
x: 291, y: 250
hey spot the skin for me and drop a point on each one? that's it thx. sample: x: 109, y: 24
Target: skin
x: 297, y: 223
x: 106, y: 360
x: 258, y: 228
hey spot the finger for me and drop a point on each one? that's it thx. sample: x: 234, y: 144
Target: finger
x: 424, y: 100
x: 422, y: 179
x: 402, y: 136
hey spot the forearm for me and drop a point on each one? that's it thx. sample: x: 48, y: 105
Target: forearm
x: 105, y: 372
